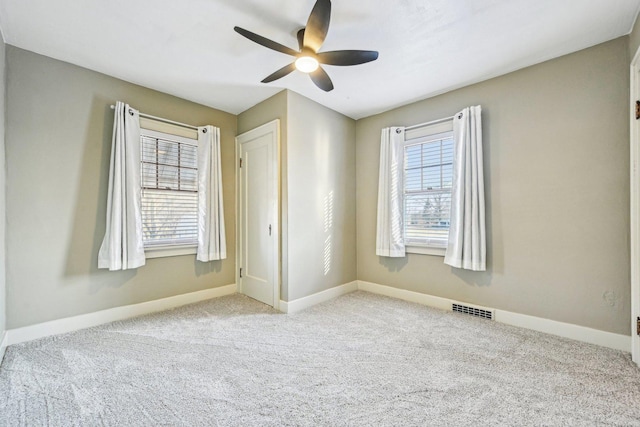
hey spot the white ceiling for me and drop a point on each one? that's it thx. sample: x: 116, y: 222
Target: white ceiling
x: 188, y: 47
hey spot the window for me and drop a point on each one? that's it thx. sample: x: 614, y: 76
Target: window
x: 428, y: 174
x: 169, y: 193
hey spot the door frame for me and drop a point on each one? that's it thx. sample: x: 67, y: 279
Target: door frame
x: 634, y: 200
x: 274, y: 202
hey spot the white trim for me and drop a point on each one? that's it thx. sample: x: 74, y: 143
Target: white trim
x: 167, y: 129
x: 425, y: 250
x: 55, y: 327
x: 634, y: 131
x: 434, y: 127
x: 403, y: 294
x: 69, y: 324
x: 237, y: 213
x: 3, y: 345
x: 166, y: 251
x: 566, y: 330
x: 274, y: 210
x: 317, y: 298
x: 165, y: 136
x: 427, y: 133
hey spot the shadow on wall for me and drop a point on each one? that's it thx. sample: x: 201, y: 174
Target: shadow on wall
x: 203, y: 268
x: 495, y: 253
x: 393, y: 264
x: 88, y: 225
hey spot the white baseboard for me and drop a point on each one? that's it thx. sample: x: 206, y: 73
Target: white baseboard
x: 317, y: 298
x: 55, y: 327
x: 403, y: 294
x: 566, y: 330
x: 69, y: 324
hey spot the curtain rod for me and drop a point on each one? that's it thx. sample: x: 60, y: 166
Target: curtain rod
x: 432, y: 122
x: 160, y: 119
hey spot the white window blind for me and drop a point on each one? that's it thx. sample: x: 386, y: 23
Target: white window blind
x: 169, y: 189
x: 428, y: 175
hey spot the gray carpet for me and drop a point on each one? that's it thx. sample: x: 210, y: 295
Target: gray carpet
x: 359, y: 360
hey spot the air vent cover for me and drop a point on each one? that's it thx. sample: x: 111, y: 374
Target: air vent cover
x: 472, y: 311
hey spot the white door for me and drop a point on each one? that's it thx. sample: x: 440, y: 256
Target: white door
x: 635, y: 211
x: 258, y: 227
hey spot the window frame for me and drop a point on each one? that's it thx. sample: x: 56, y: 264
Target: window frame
x: 167, y: 250
x: 416, y: 136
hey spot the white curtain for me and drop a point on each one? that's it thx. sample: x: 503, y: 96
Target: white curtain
x: 390, y: 231
x: 467, y: 245
x: 122, y: 247
x: 211, y: 235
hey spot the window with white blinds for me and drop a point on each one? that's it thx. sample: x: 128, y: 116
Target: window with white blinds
x: 428, y: 163
x: 169, y: 189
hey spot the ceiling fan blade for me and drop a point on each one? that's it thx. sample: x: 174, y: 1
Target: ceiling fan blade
x: 321, y: 79
x: 300, y: 37
x: 347, y: 57
x: 265, y: 41
x: 317, y: 25
x: 280, y: 73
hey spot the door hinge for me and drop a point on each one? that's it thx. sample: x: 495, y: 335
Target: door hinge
x: 637, y: 110
x: 638, y: 326
x: 240, y: 162
x: 241, y: 273
x: 269, y: 229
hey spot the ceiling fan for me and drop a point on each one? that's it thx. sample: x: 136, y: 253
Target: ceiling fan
x: 310, y: 39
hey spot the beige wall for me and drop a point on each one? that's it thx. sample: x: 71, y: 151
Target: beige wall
x: 57, y: 145
x: 265, y: 112
x: 556, y: 144
x: 634, y: 39
x: 321, y: 177
x: 3, y: 205
x: 556, y: 161
x: 318, y: 192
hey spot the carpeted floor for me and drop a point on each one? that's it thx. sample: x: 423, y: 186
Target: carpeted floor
x: 359, y: 360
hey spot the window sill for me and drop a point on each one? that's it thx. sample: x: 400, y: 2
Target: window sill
x: 168, y: 251
x: 424, y: 250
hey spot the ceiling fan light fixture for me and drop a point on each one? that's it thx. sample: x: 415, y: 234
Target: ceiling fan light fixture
x: 307, y: 64
x: 308, y: 56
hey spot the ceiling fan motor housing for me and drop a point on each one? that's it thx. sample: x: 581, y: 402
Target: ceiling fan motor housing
x: 308, y: 57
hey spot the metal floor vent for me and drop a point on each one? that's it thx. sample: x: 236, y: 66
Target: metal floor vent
x: 472, y: 311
